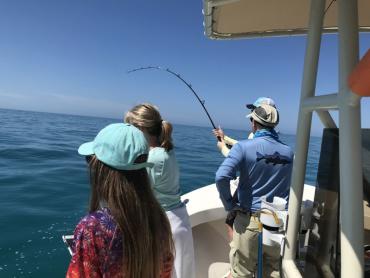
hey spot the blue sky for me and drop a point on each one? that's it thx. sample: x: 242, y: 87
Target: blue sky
x: 72, y: 57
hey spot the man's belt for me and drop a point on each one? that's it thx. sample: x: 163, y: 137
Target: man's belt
x: 244, y: 211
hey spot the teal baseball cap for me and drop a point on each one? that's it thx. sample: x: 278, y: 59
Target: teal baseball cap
x: 118, y: 145
x: 261, y: 100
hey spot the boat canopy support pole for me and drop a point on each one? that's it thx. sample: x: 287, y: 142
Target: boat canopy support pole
x: 324, y: 102
x: 351, y: 187
x: 321, y: 104
x: 303, y: 135
x: 326, y: 119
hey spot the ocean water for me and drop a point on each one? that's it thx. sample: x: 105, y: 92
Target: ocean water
x: 44, y: 184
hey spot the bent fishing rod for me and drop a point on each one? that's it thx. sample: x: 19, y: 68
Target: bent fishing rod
x: 186, y: 83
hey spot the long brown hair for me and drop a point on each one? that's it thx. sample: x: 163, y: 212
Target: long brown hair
x: 146, y: 232
x: 147, y: 118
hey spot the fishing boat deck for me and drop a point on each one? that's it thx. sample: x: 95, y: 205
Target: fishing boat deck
x: 207, y: 218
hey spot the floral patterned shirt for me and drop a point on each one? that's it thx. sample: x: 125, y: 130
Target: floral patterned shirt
x: 97, y: 250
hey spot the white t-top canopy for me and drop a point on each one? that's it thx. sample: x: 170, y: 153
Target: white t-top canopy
x: 227, y: 19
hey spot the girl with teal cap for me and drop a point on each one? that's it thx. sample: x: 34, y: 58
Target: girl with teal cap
x: 126, y: 233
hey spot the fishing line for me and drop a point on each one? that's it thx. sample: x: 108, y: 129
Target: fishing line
x: 186, y: 83
x: 329, y: 6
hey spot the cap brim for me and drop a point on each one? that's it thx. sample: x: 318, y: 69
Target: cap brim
x: 86, y: 149
x: 250, y: 106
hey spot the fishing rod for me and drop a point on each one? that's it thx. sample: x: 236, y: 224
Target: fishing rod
x: 186, y: 83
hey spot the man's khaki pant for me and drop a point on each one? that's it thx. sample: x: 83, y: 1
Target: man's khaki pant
x: 244, y: 250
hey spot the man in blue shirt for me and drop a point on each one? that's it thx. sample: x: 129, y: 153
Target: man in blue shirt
x: 265, y: 166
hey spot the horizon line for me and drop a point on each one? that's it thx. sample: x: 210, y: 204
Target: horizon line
x: 112, y: 118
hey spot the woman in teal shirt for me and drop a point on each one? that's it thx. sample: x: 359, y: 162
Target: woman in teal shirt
x: 165, y: 182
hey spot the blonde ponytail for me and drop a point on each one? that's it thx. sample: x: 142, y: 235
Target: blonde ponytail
x: 165, y: 139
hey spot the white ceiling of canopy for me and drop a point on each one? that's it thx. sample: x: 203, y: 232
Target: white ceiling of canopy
x: 252, y: 18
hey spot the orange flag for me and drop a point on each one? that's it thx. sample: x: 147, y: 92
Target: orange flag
x: 359, y: 79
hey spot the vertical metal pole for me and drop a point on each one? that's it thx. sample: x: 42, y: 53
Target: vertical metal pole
x: 351, y: 188
x: 304, y: 125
